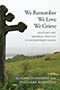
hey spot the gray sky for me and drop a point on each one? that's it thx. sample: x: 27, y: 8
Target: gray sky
x: 16, y: 39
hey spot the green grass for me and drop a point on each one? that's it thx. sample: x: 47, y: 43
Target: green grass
x: 35, y: 67
x: 37, y: 64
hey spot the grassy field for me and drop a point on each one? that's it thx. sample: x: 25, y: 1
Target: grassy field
x: 36, y: 64
x: 34, y: 67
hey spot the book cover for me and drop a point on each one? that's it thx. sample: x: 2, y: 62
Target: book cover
x: 29, y: 45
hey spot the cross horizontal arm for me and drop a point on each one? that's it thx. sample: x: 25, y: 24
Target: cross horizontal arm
x: 20, y: 27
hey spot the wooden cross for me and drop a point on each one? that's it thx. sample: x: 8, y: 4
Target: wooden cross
x: 4, y: 29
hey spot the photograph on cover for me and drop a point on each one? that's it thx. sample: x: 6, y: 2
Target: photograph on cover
x: 29, y: 45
